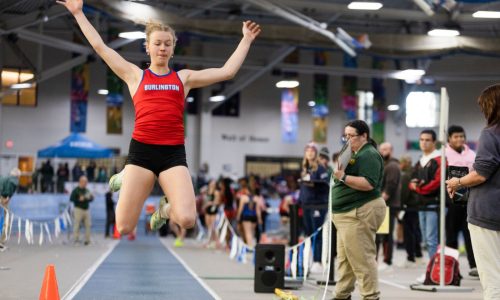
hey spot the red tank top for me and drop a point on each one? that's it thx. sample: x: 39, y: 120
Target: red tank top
x: 159, y: 109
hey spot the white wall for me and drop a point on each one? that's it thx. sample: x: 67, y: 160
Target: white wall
x: 34, y: 128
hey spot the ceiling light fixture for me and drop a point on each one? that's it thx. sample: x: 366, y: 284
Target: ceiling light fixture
x: 218, y: 98
x: 287, y: 84
x: 102, y: 92
x: 486, y: 14
x: 410, y: 75
x: 393, y: 107
x: 443, y: 32
x: 19, y: 86
x: 132, y: 35
x: 311, y: 103
x: 365, y: 5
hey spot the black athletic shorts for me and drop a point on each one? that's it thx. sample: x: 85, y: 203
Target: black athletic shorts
x: 156, y: 158
x: 252, y: 219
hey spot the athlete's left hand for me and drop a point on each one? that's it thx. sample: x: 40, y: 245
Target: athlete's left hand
x: 250, y: 30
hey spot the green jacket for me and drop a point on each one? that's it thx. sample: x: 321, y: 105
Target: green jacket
x: 75, y: 197
x: 366, y: 163
x: 8, y: 186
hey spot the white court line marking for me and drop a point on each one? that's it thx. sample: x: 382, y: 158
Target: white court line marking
x: 183, y: 263
x: 86, y: 276
x: 400, y: 286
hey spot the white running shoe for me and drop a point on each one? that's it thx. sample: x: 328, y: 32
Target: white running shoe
x: 115, y: 182
x: 420, y: 261
x: 156, y: 220
x: 421, y: 278
x: 383, y: 267
x: 474, y: 273
x: 408, y: 264
x: 316, y: 268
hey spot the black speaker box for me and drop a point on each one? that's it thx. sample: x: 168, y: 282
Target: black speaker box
x: 269, y: 268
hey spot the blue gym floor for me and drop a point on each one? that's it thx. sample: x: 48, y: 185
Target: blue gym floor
x: 143, y: 269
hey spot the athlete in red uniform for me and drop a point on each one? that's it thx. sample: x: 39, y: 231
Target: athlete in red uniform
x: 157, y: 145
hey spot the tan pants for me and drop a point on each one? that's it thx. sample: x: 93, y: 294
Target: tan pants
x: 81, y: 215
x: 486, y: 245
x: 5, y: 204
x: 356, y: 251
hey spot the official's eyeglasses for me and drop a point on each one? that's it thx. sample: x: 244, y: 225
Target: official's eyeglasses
x: 347, y: 137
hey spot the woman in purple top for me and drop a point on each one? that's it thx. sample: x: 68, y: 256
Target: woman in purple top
x: 484, y: 198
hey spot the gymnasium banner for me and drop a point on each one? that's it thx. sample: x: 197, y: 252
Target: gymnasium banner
x: 378, y: 113
x: 320, y: 109
x: 114, y: 99
x: 290, y: 104
x: 349, y: 88
x: 289, y: 115
x: 114, y: 103
x: 79, y: 97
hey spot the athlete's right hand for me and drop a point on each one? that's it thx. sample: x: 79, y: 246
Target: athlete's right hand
x: 73, y: 6
x: 251, y: 30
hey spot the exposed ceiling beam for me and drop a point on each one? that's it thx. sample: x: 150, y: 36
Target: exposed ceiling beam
x: 389, y: 74
x: 11, y: 5
x: 305, y: 21
x: 341, y: 71
x: 19, y: 22
x: 384, y: 13
x: 191, y: 60
x: 118, y: 43
x: 383, y: 44
x: 19, y: 52
x: 67, y: 65
x: 63, y: 44
x: 207, y: 6
x: 465, y: 78
x: 249, y: 65
x: 251, y: 76
x: 314, y: 69
x: 52, y: 41
x: 61, y: 68
x: 136, y: 12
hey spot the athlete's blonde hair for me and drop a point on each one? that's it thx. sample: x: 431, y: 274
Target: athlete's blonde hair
x: 153, y: 26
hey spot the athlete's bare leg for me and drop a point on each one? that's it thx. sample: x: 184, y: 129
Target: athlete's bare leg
x: 178, y: 187
x: 136, y: 186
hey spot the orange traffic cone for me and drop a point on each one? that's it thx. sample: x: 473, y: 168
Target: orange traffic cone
x: 49, y: 289
x: 116, y: 234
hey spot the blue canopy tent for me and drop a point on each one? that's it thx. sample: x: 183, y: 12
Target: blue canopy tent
x: 76, y: 146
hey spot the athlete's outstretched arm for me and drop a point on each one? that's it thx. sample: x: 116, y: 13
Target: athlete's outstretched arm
x: 196, y: 79
x: 122, y: 68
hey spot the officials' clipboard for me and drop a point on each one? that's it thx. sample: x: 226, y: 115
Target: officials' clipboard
x: 344, y: 157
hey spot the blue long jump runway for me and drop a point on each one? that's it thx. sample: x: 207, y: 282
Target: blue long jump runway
x: 142, y: 269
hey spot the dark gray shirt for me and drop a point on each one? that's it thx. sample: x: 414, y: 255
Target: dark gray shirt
x: 390, y: 182
x: 484, y: 200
